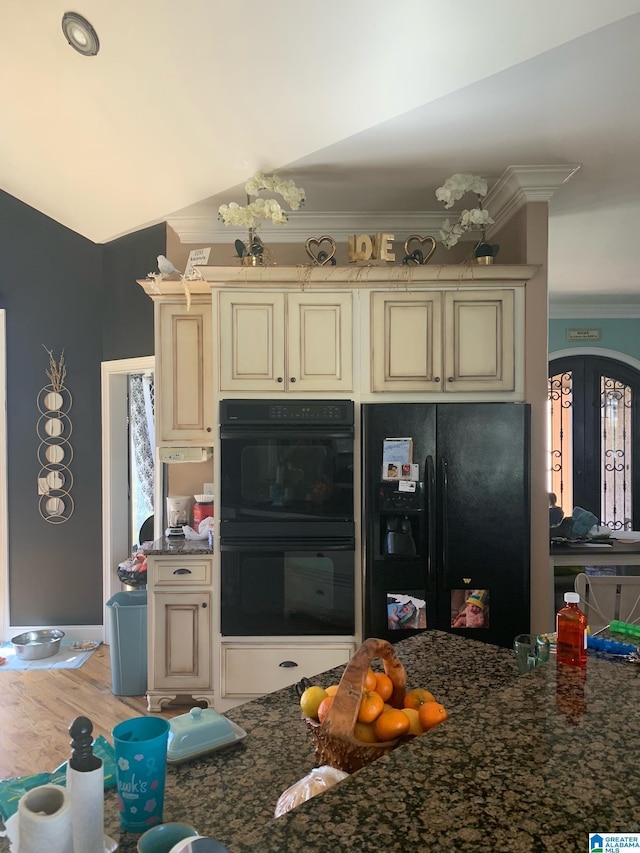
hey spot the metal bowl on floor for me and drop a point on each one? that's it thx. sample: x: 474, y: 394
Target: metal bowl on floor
x: 35, y: 645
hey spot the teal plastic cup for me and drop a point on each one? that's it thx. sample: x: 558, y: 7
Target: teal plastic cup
x: 140, y: 746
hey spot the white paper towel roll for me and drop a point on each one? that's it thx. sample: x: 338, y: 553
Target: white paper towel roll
x: 44, y: 820
x: 87, y: 809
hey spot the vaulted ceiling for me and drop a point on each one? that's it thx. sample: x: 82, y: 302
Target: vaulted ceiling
x: 368, y: 105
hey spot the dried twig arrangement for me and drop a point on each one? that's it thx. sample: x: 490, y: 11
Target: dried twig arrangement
x: 57, y: 370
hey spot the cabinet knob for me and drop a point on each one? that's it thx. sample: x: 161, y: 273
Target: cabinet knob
x: 293, y: 379
x: 182, y: 571
x: 204, y: 603
x: 450, y: 379
x: 208, y: 429
x: 280, y: 379
x: 436, y: 379
x: 287, y: 663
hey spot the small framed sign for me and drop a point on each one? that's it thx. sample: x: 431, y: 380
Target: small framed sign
x: 583, y: 334
x: 197, y: 258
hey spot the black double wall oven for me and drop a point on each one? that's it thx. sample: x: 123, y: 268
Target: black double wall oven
x: 287, y: 535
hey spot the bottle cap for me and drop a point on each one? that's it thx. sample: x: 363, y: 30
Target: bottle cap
x: 572, y: 598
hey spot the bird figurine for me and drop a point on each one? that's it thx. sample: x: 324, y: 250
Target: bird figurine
x: 166, y: 267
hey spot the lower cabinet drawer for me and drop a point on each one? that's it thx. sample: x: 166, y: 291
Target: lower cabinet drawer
x: 185, y: 572
x: 256, y: 670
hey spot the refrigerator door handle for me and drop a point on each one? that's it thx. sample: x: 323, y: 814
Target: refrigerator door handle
x: 444, y: 480
x: 430, y: 489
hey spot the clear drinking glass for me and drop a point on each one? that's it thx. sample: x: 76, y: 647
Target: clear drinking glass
x: 531, y: 650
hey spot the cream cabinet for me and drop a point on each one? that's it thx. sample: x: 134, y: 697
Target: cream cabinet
x: 250, y: 670
x: 180, y: 634
x: 443, y: 341
x: 285, y: 341
x: 184, y: 372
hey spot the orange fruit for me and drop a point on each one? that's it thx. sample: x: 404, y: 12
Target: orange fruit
x: 331, y: 690
x: 384, y: 685
x: 414, y: 721
x: 364, y: 732
x: 431, y: 714
x: 371, y: 706
x: 370, y: 680
x: 323, y: 707
x: 391, y: 724
x: 417, y: 697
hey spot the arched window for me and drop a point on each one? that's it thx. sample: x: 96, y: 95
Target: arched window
x: 594, y: 431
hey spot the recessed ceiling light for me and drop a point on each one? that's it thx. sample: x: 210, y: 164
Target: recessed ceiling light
x: 80, y: 34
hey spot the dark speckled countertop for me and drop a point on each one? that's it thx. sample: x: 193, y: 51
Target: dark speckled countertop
x: 525, y: 763
x: 168, y: 545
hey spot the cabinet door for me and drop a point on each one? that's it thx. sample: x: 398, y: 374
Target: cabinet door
x: 184, y: 393
x: 319, y: 342
x: 406, y: 342
x: 251, y: 340
x: 181, y: 641
x: 479, y: 340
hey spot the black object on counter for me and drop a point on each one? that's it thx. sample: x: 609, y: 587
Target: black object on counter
x: 82, y: 757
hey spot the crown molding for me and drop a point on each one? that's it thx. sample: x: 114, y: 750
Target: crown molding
x: 594, y: 311
x: 207, y: 229
x: 513, y: 189
x: 519, y: 185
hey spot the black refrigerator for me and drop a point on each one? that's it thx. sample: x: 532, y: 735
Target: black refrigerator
x: 447, y: 535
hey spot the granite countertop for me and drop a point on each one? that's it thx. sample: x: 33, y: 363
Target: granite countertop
x: 522, y: 764
x: 168, y: 545
x: 508, y: 771
x: 611, y: 547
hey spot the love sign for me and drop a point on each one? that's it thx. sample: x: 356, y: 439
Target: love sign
x: 362, y: 247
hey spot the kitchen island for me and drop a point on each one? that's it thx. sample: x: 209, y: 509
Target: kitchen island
x: 524, y: 763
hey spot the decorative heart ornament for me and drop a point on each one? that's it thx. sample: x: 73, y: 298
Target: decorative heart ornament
x: 422, y: 243
x: 321, y: 256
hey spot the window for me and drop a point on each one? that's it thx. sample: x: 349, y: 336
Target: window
x: 593, y: 438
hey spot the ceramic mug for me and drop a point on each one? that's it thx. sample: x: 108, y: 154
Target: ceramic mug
x: 164, y: 837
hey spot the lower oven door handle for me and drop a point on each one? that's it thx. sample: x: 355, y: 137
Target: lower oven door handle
x: 322, y: 544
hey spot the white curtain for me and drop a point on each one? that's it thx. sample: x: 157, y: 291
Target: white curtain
x: 141, y: 438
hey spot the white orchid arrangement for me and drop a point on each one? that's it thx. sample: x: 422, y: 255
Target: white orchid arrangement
x: 452, y: 190
x: 255, y: 212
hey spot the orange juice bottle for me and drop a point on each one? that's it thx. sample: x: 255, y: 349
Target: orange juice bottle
x: 571, y: 625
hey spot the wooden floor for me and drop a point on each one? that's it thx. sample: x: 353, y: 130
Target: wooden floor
x: 37, y: 708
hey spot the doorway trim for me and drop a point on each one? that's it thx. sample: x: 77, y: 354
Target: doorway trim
x: 115, y: 471
x: 601, y: 352
x: 4, y: 520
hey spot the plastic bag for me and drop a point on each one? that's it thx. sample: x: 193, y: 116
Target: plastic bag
x: 319, y: 780
x: 583, y: 521
x: 11, y: 790
x: 202, y: 532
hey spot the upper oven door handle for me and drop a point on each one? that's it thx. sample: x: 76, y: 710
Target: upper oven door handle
x: 289, y: 431
x: 329, y: 543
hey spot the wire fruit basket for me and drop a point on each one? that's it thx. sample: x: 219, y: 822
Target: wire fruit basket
x: 333, y: 739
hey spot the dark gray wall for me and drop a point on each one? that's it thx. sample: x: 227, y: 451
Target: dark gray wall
x: 128, y: 311
x: 63, y: 292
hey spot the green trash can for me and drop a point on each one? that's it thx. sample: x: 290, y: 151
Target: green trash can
x: 127, y: 614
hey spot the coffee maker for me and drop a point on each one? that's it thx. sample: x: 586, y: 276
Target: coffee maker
x: 178, y: 514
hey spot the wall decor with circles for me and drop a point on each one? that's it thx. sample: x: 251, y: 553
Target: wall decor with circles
x: 55, y: 452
